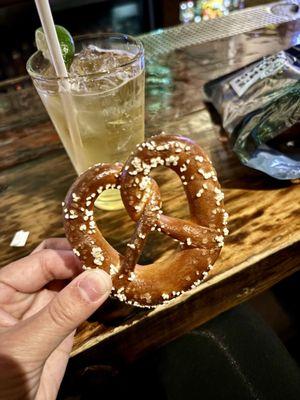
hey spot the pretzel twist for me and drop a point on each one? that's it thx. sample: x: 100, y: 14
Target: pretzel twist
x: 201, y: 238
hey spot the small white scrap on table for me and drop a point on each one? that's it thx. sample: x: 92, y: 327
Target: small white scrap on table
x: 19, y: 239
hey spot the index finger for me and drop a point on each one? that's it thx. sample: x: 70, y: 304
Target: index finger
x: 33, y: 272
x: 53, y: 243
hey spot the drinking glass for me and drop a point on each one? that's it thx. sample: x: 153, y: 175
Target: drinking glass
x: 106, y: 90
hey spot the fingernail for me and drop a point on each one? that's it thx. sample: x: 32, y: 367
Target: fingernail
x: 94, y: 285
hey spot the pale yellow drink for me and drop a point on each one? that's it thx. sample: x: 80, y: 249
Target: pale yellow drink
x: 107, y: 92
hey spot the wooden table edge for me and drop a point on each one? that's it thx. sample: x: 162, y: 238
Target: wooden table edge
x: 245, y: 282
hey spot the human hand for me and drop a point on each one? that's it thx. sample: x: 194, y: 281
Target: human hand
x: 38, y: 317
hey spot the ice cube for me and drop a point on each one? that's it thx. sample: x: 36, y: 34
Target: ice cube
x: 98, y: 84
x: 49, y: 71
x: 92, y: 59
x: 94, y: 69
x: 43, y: 66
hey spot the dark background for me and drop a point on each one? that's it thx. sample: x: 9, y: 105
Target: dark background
x: 19, y: 20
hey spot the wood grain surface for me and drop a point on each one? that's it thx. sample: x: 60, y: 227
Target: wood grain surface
x: 264, y: 224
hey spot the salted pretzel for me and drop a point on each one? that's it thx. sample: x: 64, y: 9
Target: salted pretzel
x: 201, y: 239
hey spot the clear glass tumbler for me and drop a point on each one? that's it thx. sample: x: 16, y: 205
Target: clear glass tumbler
x: 106, y: 88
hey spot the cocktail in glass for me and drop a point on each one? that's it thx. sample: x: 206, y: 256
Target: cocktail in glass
x: 106, y: 86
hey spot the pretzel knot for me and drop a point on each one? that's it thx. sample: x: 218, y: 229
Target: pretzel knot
x: 201, y: 238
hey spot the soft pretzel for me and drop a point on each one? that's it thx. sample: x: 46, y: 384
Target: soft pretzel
x: 201, y: 238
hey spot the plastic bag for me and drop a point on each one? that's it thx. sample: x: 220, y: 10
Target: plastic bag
x: 259, y: 103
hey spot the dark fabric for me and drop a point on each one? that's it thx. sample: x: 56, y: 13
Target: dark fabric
x: 236, y: 356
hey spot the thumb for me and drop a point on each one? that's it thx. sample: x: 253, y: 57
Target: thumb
x: 68, y: 309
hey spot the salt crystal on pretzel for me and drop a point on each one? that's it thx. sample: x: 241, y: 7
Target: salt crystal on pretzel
x: 201, y: 238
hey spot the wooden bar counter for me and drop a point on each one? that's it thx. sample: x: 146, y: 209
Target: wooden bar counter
x: 263, y: 245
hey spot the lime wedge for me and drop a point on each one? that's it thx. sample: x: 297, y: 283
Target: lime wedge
x: 65, y: 40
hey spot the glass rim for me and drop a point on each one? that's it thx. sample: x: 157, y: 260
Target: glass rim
x: 38, y: 76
